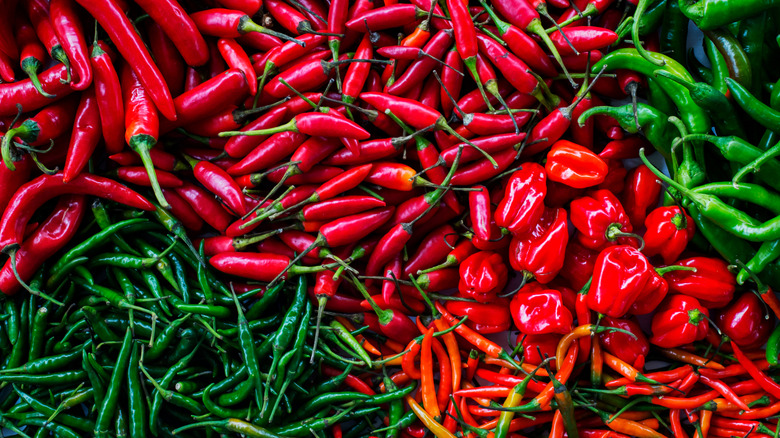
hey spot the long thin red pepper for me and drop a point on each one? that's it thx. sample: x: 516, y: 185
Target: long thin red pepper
x: 85, y: 136
x: 108, y: 93
x: 179, y: 27
x: 67, y: 26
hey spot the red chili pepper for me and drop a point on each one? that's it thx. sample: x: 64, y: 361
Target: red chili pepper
x: 540, y: 251
x: 538, y: 347
x: 85, y: 136
x: 227, y: 23
x: 236, y: 57
x: 239, y: 146
x: 626, y: 347
x: 49, y: 237
x: 540, y: 311
x: 583, y: 39
x: 482, y: 276
x: 616, y: 177
x: 169, y: 61
x: 621, y: 274
x: 29, y: 197
x: 491, y: 144
x: 386, y: 18
x: 484, y: 318
x: 514, y: 70
x: 113, y: 19
x: 108, y: 92
x: 436, y: 281
x: 32, y: 53
x: 522, y: 46
x: 523, y: 202
x: 369, y: 151
x: 574, y: 165
x: 641, y: 194
x: 422, y: 65
x: 325, y: 125
x: 268, y: 153
x: 669, y: 229
x: 711, y: 282
x: 680, y: 320
x: 180, y: 28
x: 217, y: 181
x: 182, y: 210
x: 600, y: 219
x: 140, y: 176
x: 69, y: 31
x: 623, y: 149
x: 38, y: 13
x: 208, y: 208
x: 308, y: 73
x: 744, y: 321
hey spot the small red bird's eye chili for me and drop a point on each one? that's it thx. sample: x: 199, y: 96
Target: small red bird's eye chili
x: 67, y: 26
x: 169, y: 61
x: 540, y: 311
x: 108, y: 93
x: 217, y: 181
x: 600, y: 219
x: 204, y: 204
x: 678, y: 321
x: 711, y: 282
x: 539, y: 252
x: 84, y: 137
x: 482, y: 276
x: 620, y: 275
x: 120, y: 29
x: 669, y: 229
x: 325, y: 125
x: 574, y: 165
x: 235, y: 57
x: 180, y: 28
x: 523, y: 202
x: 182, y: 210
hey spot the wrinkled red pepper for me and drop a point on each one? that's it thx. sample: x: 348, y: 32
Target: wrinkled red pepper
x: 523, y: 202
x: 620, y: 276
x: 680, y: 320
x: 540, y: 251
x: 482, y: 276
x: 668, y: 232
x: 540, y: 311
x: 712, y: 283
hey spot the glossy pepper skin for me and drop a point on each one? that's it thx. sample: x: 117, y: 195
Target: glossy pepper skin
x: 537, y: 347
x: 578, y: 264
x: 712, y: 283
x: 668, y: 232
x: 620, y: 276
x: 575, y: 165
x: 523, y: 202
x: 641, y: 194
x: 651, y: 296
x: 539, y: 251
x: 485, y: 318
x: 599, y: 217
x: 627, y: 348
x: 744, y: 321
x: 680, y: 320
x: 482, y: 276
x: 540, y: 311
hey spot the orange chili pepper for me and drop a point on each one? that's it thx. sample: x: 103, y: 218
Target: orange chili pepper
x: 557, y: 425
x: 427, y: 386
x: 408, y: 360
x: 454, y: 352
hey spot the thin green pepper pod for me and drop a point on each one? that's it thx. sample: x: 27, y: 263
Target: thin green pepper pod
x: 737, y: 60
x: 136, y: 402
x: 108, y: 408
x: 82, y: 424
x: 655, y: 125
x: 767, y: 253
x: 757, y: 110
x: 674, y: 29
x: 711, y: 14
x: 773, y: 347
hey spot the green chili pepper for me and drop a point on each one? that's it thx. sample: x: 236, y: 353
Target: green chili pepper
x: 757, y: 110
x: 711, y: 14
x: 47, y: 364
x: 654, y: 124
x: 58, y: 429
x: 82, y: 424
x: 674, y: 29
x: 108, y: 408
x: 157, y: 401
x: 773, y: 347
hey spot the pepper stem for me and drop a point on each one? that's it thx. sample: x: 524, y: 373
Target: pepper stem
x: 30, y: 66
x: 289, y: 126
x: 535, y: 26
x: 246, y: 25
x: 471, y: 64
x: 385, y: 316
x: 640, y: 10
x: 142, y: 144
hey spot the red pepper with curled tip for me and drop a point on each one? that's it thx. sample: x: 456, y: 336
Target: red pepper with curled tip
x: 711, y: 283
x: 624, y: 346
x: 482, y: 276
x: 680, y: 320
x: 620, y: 276
x: 744, y: 321
x: 538, y: 311
x: 600, y: 219
x: 575, y: 165
x: 669, y: 229
x: 540, y: 251
x: 523, y: 202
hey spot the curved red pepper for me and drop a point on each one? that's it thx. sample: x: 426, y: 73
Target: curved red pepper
x: 625, y: 347
x: 641, y: 194
x: 574, y: 165
x: 180, y: 28
x: 433, y: 249
x: 711, y: 283
x: 523, y: 202
x: 600, y: 219
x: 483, y: 275
x: 67, y: 26
x: 744, y: 321
x: 85, y: 136
x: 680, y: 320
x: 620, y: 276
x: 668, y: 232
x: 540, y: 250
x: 208, y: 208
x: 217, y: 181
x: 540, y: 311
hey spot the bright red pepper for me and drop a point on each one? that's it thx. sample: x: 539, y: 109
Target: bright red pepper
x: 668, y: 232
x: 574, y: 165
x: 744, y: 321
x: 180, y: 28
x: 711, y: 283
x: 540, y: 250
x: 680, y: 320
x: 651, y: 296
x: 85, y: 136
x: 627, y: 348
x: 483, y: 275
x: 641, y: 194
x: 600, y: 219
x: 485, y: 318
x: 540, y: 311
x: 620, y: 276
x: 523, y: 202
x: 538, y: 347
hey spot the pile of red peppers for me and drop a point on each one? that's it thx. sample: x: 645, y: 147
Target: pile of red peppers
x: 448, y: 176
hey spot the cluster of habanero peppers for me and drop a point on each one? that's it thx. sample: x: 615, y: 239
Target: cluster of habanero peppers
x: 400, y: 158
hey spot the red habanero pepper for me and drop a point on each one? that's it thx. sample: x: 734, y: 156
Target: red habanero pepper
x: 142, y: 125
x: 600, y: 219
x: 623, y: 346
x: 539, y: 252
x: 620, y: 275
x: 84, y: 137
x: 169, y: 61
x: 540, y: 311
x: 669, y: 229
x: 120, y: 29
x: 235, y: 57
x: 744, y: 321
x: 52, y: 235
x: 641, y: 194
x: 651, y: 296
x: 523, y: 202
x: 29, y: 197
x: 32, y: 53
x: 38, y: 13
x: 578, y: 264
x: 179, y: 27
x: 139, y: 176
x: 680, y: 320
x: 711, y: 282
x: 204, y: 204
x: 616, y: 177
x: 574, y: 165
x: 108, y: 92
x: 485, y: 318
x: 483, y: 275
x: 538, y: 347
x: 70, y: 32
